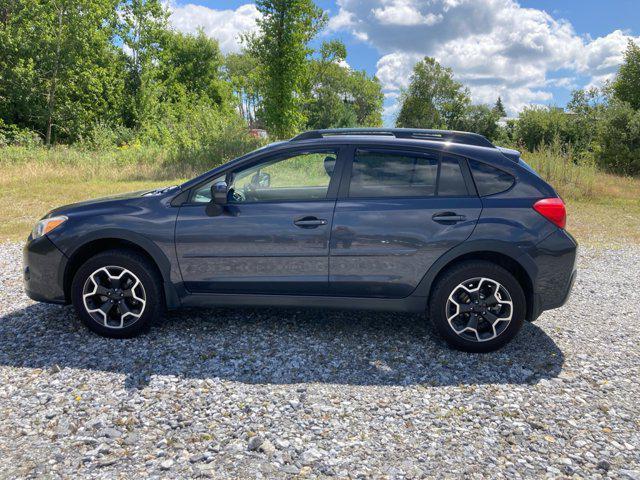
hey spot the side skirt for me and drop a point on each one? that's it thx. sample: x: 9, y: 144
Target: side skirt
x: 416, y: 304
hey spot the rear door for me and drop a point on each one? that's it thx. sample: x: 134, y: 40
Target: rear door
x: 272, y: 237
x: 398, y: 211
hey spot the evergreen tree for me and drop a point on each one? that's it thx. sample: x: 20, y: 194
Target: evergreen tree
x: 499, y: 108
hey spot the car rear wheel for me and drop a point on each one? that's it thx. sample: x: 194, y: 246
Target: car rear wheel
x: 117, y: 294
x: 477, y: 306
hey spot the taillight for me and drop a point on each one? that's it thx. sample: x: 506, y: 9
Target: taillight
x: 552, y: 209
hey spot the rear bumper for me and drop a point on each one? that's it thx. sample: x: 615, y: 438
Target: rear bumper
x: 42, y: 263
x: 555, y: 258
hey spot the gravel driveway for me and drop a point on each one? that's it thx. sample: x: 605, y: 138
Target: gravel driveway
x: 294, y: 393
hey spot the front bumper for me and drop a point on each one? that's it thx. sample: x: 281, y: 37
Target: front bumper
x: 42, y: 267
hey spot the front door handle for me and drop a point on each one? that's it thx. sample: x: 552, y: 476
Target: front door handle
x: 448, y: 217
x: 309, y: 222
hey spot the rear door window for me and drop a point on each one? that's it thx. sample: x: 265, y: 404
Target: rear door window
x: 393, y: 174
x: 490, y: 180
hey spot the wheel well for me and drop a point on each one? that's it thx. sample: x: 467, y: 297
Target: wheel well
x: 506, y: 262
x: 94, y: 247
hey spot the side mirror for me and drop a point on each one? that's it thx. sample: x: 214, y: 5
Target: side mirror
x: 219, y: 193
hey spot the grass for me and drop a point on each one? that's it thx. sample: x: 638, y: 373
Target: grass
x: 33, y: 181
x: 604, y: 210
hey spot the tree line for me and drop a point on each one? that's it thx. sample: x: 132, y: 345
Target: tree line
x: 113, y: 72
x: 598, y: 124
x: 74, y: 69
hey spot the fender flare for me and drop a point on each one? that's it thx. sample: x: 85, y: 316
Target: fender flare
x: 140, y: 241
x: 476, y: 246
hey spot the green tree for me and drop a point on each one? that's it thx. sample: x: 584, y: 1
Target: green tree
x: 481, y: 119
x: 240, y: 70
x: 618, y: 142
x: 626, y: 86
x: 499, y: 108
x: 586, y: 108
x: 433, y: 99
x: 142, y: 30
x: 281, y: 48
x: 191, y: 67
x: 538, y: 126
x: 59, y: 71
x: 339, y: 96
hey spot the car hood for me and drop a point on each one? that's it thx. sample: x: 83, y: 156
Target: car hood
x: 106, y: 201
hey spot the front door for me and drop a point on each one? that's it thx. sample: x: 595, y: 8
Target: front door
x: 271, y: 238
x: 401, y: 211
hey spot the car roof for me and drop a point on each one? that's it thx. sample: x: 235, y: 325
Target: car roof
x: 472, y: 151
x: 454, y: 136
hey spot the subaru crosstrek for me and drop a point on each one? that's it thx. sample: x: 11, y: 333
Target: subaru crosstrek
x: 385, y: 219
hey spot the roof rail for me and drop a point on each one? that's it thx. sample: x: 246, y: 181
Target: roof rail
x: 465, y: 138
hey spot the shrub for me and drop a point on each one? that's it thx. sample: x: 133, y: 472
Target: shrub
x: 202, y: 137
x: 538, y: 126
x: 12, y: 135
x: 618, y: 148
x: 105, y: 137
x: 573, y: 177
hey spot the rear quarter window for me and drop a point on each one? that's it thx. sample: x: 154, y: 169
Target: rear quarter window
x: 490, y: 180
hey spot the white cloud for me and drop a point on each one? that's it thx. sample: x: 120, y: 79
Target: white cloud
x: 402, y: 12
x: 223, y: 25
x: 496, y: 47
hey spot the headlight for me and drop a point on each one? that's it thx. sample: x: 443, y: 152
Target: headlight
x: 45, y: 225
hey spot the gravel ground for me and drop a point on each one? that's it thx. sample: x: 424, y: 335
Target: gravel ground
x: 291, y: 393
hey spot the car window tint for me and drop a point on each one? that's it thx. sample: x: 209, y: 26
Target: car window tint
x: 490, y: 180
x: 388, y: 174
x: 301, y: 176
x: 451, y: 182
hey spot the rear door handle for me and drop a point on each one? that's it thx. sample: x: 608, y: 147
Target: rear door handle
x: 448, y: 217
x: 309, y: 222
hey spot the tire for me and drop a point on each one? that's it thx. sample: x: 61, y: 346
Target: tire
x: 453, y: 308
x: 133, y: 301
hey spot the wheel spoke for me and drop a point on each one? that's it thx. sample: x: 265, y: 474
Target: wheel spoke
x: 491, y: 300
x: 106, y: 307
x: 100, y: 290
x: 473, y: 322
x: 490, y: 317
x: 466, y: 308
x: 124, y: 309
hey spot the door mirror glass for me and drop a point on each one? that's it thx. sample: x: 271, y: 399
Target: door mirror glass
x: 219, y: 193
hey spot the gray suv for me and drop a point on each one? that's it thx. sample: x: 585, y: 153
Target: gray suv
x: 385, y: 219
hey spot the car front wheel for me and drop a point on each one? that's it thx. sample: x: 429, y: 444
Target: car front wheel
x: 117, y: 294
x: 477, y: 306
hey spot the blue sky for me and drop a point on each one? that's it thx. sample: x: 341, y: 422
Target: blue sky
x: 527, y: 51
